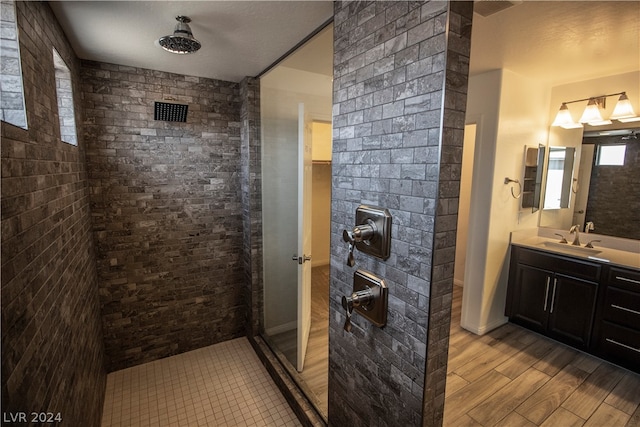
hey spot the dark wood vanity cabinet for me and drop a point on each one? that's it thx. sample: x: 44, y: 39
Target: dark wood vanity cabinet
x: 589, y: 305
x: 617, y: 332
x: 551, y: 295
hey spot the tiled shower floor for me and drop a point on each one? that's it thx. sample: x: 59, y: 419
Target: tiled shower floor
x: 221, y: 385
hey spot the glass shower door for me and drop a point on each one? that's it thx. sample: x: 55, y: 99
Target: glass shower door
x: 286, y: 193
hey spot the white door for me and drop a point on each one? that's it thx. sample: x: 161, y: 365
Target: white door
x: 304, y: 234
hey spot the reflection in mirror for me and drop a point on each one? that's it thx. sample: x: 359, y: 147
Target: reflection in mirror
x: 611, y: 187
x: 558, y: 187
x: 605, y: 195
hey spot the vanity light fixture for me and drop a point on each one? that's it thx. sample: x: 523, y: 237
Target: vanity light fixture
x: 564, y: 119
x: 623, y: 109
x: 592, y: 115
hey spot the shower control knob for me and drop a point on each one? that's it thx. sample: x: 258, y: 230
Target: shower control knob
x: 360, y: 233
x: 350, y: 259
x: 347, y: 322
x: 361, y: 298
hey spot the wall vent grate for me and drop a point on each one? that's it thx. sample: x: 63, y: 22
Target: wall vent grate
x: 170, y: 112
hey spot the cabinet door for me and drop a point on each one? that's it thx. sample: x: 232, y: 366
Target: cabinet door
x: 529, y: 302
x: 571, y: 310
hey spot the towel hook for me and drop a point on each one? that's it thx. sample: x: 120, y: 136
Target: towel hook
x: 508, y: 180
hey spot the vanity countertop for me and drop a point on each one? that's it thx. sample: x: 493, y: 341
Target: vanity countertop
x: 611, y: 250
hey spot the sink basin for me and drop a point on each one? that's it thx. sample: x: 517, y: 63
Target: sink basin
x: 569, y: 248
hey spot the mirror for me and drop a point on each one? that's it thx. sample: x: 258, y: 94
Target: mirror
x: 603, y: 194
x: 559, y: 179
x: 609, y: 187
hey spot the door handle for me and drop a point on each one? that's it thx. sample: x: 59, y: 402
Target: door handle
x: 553, y: 294
x: 301, y: 259
x: 546, y: 294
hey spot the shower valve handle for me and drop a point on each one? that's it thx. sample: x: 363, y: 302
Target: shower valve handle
x: 360, y: 233
x: 360, y: 298
x: 350, y: 259
x: 347, y: 322
x: 348, y: 237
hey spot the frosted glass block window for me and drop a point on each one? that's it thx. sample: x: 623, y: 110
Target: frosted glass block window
x: 12, y: 109
x: 611, y: 155
x: 64, y: 91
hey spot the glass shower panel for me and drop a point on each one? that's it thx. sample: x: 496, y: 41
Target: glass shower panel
x: 296, y: 107
x: 279, y: 213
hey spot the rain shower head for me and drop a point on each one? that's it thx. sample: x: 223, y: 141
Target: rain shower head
x: 182, y: 40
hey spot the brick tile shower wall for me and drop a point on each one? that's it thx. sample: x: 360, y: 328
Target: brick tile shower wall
x: 394, y: 148
x: 52, y: 351
x: 166, y: 207
x: 445, y: 228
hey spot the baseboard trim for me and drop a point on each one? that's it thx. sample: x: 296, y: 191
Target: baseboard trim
x: 483, y: 329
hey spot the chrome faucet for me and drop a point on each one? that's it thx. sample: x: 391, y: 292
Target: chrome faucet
x: 576, y: 239
x: 589, y: 226
x: 562, y: 238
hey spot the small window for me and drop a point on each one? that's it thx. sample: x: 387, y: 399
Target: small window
x: 611, y: 155
x: 13, y: 109
x: 64, y: 91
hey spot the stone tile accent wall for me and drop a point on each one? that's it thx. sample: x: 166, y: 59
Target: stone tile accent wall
x: 458, y: 50
x: 614, y: 202
x: 11, y: 93
x: 52, y: 350
x: 393, y: 148
x: 251, y: 154
x: 167, y: 213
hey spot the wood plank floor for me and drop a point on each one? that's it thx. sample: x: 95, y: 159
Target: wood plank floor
x: 509, y: 377
x: 514, y: 377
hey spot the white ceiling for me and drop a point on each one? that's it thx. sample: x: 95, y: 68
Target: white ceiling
x: 559, y: 42
x: 239, y: 38
x: 556, y: 42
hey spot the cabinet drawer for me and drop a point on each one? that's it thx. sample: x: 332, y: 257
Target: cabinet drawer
x: 573, y: 267
x: 623, y: 307
x: 620, y: 345
x: 626, y: 279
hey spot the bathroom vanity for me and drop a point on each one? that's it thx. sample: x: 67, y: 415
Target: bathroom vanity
x: 586, y: 298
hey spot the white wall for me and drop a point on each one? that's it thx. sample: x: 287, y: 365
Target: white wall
x: 321, y: 143
x: 511, y: 112
x: 626, y: 82
x: 464, y: 204
x: 321, y: 204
